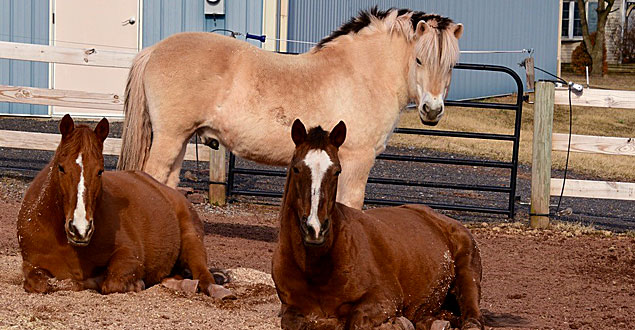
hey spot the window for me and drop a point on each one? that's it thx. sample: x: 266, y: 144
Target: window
x: 571, y: 23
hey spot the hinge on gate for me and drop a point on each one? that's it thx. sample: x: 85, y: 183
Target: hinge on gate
x: 53, y: 18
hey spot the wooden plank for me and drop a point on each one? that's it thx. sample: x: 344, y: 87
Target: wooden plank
x: 595, y: 144
x: 48, y: 141
x: 603, y: 98
x: 77, y: 56
x: 217, y: 176
x: 541, y: 155
x: 594, y: 189
x: 32, y: 95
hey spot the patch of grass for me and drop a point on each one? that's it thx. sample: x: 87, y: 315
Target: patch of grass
x: 586, y: 121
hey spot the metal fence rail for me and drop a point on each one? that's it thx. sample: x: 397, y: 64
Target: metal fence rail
x: 510, y: 189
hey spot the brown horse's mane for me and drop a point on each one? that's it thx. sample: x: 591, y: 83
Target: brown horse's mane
x: 81, y: 139
x: 365, y: 18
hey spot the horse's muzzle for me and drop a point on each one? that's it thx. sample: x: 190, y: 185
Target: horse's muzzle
x: 75, y: 238
x: 308, y: 233
x: 430, y: 116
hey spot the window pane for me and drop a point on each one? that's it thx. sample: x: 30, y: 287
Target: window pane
x: 577, y: 25
x: 565, y: 19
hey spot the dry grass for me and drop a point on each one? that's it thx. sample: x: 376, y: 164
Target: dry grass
x: 586, y: 121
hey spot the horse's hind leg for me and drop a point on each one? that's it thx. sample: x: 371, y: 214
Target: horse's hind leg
x: 164, y: 154
x: 467, y: 284
x: 194, y: 257
x: 175, y: 171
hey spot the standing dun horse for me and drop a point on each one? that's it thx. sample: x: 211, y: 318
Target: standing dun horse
x: 365, y: 73
x: 82, y: 228
x: 338, y: 267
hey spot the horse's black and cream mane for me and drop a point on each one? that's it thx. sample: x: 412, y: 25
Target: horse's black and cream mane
x: 363, y: 19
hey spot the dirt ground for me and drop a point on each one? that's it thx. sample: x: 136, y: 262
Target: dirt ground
x: 552, y: 279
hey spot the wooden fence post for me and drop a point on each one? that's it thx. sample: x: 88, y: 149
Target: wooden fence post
x: 541, y: 154
x: 217, y: 177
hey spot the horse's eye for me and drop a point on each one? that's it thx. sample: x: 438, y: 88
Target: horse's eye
x: 100, y: 172
x: 418, y: 61
x: 61, y: 168
x: 337, y: 173
x: 296, y: 170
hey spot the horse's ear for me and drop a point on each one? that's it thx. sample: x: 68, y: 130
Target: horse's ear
x: 338, y: 134
x: 102, y: 129
x: 66, y: 125
x: 422, y: 27
x: 298, y: 132
x: 458, y: 30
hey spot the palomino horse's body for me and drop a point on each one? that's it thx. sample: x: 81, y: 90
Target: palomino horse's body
x: 339, y: 267
x: 365, y: 74
x: 107, y: 231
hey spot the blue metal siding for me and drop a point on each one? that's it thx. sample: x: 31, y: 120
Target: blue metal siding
x: 25, y: 21
x: 166, y: 17
x: 489, y: 25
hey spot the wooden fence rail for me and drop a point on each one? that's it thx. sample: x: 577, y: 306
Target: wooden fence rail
x: 76, y: 56
x: 543, y: 186
x: 79, y: 99
x: 49, y: 142
x: 66, y: 98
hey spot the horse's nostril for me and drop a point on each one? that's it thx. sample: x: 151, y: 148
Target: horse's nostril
x: 311, y: 231
x: 73, y: 230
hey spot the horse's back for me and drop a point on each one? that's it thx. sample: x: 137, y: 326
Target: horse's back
x: 149, y: 216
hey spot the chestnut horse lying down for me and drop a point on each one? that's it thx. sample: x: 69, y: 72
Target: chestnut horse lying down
x: 106, y: 231
x: 339, y: 267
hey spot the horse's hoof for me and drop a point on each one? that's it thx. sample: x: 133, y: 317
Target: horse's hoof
x: 440, y: 325
x: 219, y: 292
x: 471, y: 324
x: 220, y: 276
x: 185, y: 285
x: 404, y: 323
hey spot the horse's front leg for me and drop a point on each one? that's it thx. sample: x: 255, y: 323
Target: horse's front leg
x: 292, y: 319
x: 351, y: 185
x: 40, y: 280
x: 375, y: 311
x: 36, y: 279
x: 165, y: 152
x: 125, y: 273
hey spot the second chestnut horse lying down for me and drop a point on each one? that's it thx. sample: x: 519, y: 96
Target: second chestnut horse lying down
x: 109, y: 231
x: 338, y: 267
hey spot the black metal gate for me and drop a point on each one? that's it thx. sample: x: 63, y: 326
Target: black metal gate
x: 510, y: 189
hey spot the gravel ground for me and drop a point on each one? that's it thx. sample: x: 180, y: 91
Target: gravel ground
x: 604, y: 214
x: 561, y: 278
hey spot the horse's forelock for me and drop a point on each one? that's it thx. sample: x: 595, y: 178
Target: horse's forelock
x: 82, y: 140
x: 439, y: 49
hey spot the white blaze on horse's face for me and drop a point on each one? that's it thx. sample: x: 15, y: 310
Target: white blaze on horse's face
x: 79, y: 229
x: 318, y: 161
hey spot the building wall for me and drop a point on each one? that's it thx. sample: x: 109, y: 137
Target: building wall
x: 489, y: 25
x: 25, y: 21
x: 162, y: 18
x: 614, y: 21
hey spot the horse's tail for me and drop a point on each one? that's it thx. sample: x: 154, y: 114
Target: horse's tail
x: 136, y: 138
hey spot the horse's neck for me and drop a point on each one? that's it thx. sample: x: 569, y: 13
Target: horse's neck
x: 381, y: 59
x: 49, y: 197
x: 314, y: 263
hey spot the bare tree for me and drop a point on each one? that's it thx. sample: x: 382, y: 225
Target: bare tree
x: 595, y: 50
